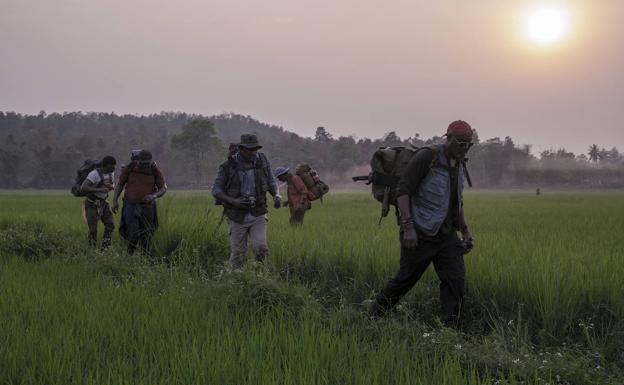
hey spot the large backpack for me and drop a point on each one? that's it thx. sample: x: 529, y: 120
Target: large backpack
x: 387, y: 166
x: 81, y: 174
x: 134, y: 164
x: 312, y: 181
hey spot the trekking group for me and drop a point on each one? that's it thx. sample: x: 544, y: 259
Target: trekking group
x: 424, y: 184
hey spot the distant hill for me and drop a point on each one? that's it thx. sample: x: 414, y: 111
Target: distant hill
x: 44, y: 150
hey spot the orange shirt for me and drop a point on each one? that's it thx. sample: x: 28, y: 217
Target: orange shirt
x: 298, y: 194
x: 139, y: 184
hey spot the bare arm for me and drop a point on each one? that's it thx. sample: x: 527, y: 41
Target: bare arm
x: 161, y: 191
x: 117, y: 191
x: 161, y: 186
x: 469, y: 241
x: 89, y: 187
x: 463, y: 227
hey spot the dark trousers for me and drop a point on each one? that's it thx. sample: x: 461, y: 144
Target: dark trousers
x: 447, y: 255
x: 140, y: 223
x: 96, y: 210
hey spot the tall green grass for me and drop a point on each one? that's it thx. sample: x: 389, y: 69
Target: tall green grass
x: 546, y: 277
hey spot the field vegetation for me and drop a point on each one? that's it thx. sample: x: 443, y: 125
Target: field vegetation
x: 544, y: 303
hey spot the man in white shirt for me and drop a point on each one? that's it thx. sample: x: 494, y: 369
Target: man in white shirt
x: 97, y: 185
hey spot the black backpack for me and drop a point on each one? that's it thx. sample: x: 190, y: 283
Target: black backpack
x: 81, y: 174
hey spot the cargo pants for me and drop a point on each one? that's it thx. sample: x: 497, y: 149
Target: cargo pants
x: 254, y: 229
x: 96, y: 210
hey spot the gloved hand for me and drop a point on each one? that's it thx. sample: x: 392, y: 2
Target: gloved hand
x: 468, y: 241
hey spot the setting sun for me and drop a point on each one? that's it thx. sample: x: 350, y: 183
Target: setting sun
x: 547, y: 25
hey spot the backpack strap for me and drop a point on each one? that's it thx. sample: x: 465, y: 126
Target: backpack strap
x: 133, y: 165
x: 265, y: 164
x: 463, y: 163
x: 101, y: 175
x: 228, y: 167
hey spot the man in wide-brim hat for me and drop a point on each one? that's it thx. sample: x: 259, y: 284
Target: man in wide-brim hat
x: 241, y: 185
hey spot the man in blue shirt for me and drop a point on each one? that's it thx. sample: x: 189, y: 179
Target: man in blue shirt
x: 241, y: 186
x: 430, y: 203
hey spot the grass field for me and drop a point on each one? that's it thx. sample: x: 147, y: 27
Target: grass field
x: 544, y: 304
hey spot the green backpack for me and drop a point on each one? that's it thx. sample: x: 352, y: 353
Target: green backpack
x: 387, y: 166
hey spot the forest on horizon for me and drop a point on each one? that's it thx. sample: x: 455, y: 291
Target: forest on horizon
x: 44, y: 151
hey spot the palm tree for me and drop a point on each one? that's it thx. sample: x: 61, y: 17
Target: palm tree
x: 594, y: 153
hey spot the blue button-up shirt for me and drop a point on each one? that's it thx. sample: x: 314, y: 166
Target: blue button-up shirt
x: 248, y: 178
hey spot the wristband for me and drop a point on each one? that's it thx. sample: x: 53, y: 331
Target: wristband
x: 407, y: 223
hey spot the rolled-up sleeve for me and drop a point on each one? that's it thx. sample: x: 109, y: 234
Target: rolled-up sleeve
x: 219, y: 183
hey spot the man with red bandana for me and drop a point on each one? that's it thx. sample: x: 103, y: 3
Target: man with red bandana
x: 431, y: 212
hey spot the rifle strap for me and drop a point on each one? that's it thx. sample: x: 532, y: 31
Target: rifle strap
x: 220, y: 221
x: 467, y: 173
x: 385, y: 205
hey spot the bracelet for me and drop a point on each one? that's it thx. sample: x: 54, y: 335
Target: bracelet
x: 408, y: 221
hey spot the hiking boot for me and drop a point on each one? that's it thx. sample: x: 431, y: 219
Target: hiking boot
x: 451, y: 322
x: 372, y: 307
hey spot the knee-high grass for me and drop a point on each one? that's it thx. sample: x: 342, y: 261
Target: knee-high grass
x: 544, y: 297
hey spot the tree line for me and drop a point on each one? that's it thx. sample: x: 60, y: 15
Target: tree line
x: 44, y: 151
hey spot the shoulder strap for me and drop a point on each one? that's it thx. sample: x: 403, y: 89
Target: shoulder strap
x: 265, y: 164
x: 228, y: 166
x: 434, y: 162
x: 463, y: 163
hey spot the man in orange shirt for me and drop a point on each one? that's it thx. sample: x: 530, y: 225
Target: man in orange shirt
x: 298, y: 195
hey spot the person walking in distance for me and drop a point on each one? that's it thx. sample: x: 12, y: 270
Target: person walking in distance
x: 299, y: 196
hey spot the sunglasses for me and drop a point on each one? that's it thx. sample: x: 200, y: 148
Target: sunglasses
x: 464, y: 144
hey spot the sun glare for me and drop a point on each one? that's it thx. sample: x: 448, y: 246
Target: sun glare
x: 547, y: 25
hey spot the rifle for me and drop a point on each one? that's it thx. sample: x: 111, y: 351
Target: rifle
x: 368, y: 178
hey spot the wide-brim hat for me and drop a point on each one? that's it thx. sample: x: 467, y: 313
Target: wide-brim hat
x: 281, y: 171
x: 249, y: 141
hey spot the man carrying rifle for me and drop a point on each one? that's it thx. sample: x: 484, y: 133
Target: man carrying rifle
x: 241, y: 186
x: 430, y: 203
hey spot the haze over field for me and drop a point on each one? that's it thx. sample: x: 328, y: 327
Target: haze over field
x: 355, y: 67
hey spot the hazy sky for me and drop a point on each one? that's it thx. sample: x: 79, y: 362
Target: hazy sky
x: 362, y: 67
